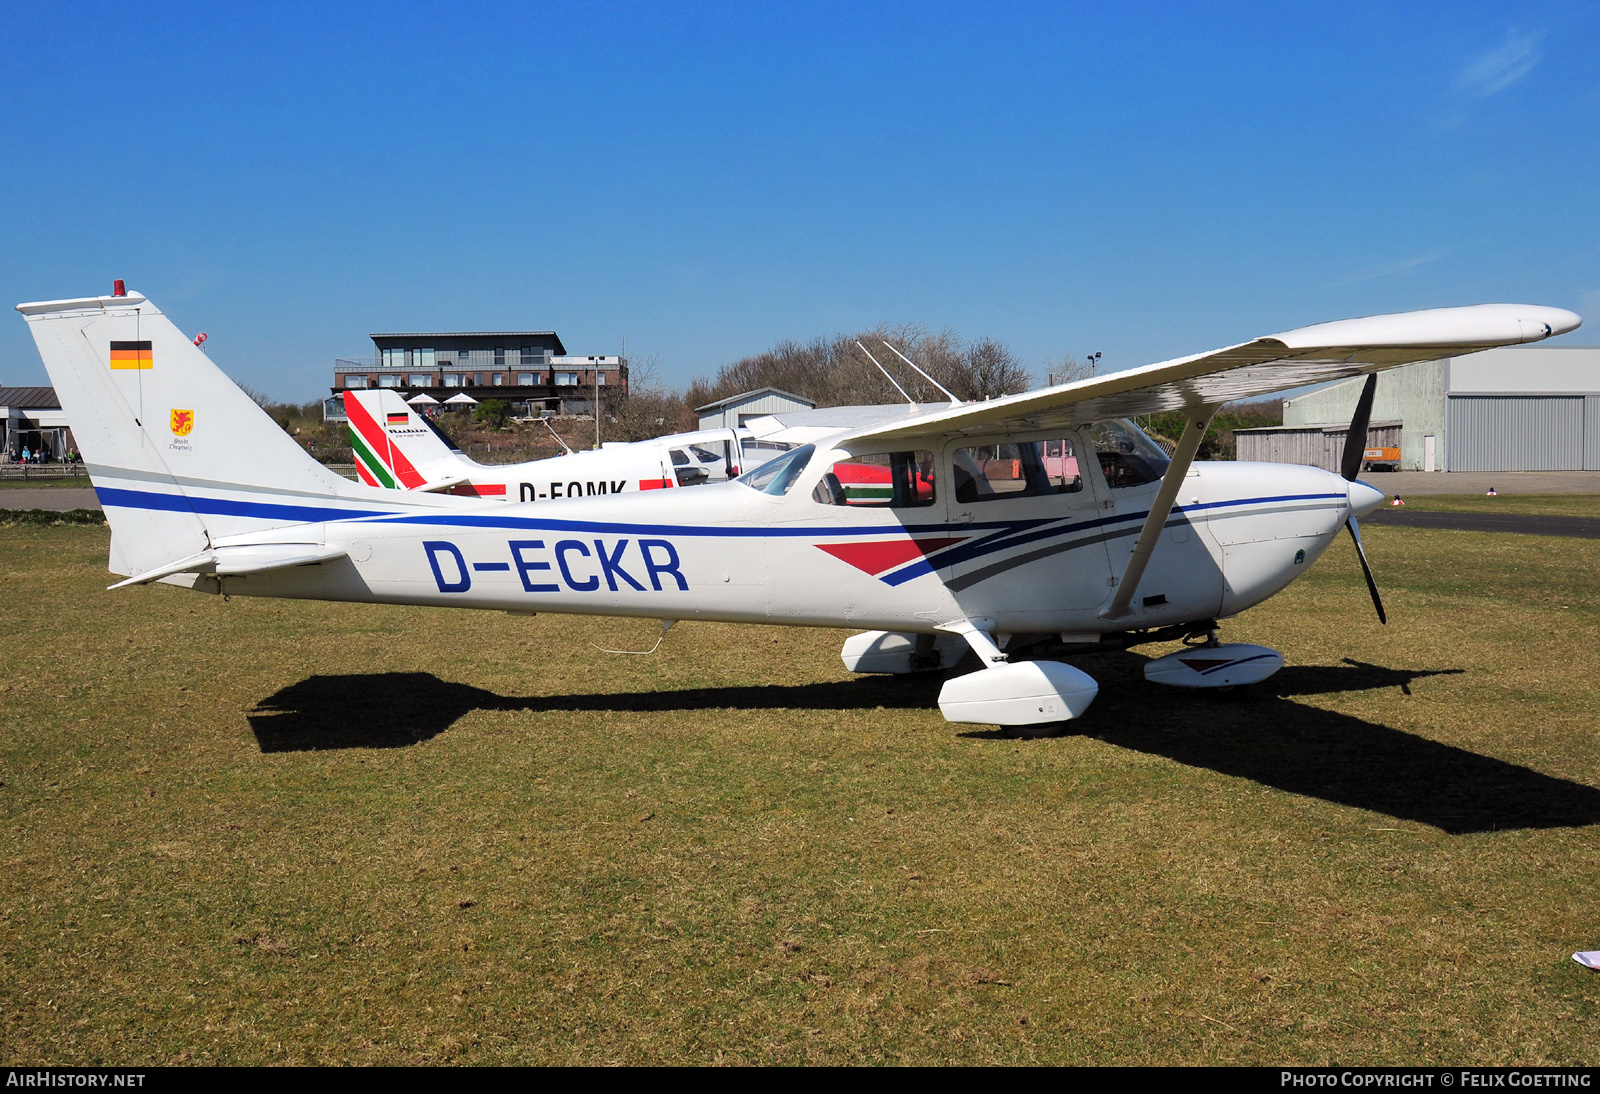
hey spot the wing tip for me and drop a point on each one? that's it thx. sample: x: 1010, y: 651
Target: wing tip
x: 1476, y: 325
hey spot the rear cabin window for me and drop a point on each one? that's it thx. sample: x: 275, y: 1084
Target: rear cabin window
x: 890, y: 480
x: 1127, y: 456
x: 756, y: 452
x: 1028, y: 469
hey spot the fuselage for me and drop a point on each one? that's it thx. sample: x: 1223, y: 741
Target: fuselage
x: 732, y: 552
x: 664, y: 463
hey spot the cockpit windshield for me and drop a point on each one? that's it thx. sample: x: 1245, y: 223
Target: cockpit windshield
x: 776, y: 476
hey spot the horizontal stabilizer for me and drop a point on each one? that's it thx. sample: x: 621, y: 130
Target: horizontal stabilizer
x: 441, y: 484
x: 252, y: 558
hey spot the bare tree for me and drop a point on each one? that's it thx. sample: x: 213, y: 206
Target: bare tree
x: 838, y: 371
x: 649, y: 409
x: 260, y: 398
x: 987, y: 370
x: 1068, y: 369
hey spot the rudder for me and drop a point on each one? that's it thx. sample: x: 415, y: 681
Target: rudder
x: 394, y: 447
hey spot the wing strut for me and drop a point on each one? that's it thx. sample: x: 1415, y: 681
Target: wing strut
x: 1194, y: 432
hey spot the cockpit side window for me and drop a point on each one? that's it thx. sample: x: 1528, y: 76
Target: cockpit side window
x: 1127, y: 456
x: 888, y: 480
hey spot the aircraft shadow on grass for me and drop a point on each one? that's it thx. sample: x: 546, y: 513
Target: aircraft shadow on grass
x: 397, y: 709
x: 1256, y: 733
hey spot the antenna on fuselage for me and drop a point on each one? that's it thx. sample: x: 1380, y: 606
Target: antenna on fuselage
x: 554, y: 434
x: 953, y: 400
x: 886, y: 375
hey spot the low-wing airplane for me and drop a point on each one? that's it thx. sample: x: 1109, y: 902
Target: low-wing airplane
x: 1019, y: 528
x: 397, y: 448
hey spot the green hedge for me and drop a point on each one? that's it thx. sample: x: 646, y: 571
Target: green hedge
x: 46, y: 517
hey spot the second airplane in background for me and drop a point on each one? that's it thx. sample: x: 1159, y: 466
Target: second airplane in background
x: 398, y: 448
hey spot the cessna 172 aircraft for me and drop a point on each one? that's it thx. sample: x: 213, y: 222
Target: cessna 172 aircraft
x: 1036, y: 522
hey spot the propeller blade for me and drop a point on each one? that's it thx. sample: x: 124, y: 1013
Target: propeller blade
x: 1372, y: 586
x: 1355, y: 441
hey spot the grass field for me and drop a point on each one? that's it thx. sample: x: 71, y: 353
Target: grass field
x: 1528, y: 505
x: 265, y: 831
x: 79, y: 483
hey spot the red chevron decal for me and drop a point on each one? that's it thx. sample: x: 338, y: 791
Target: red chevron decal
x: 880, y: 556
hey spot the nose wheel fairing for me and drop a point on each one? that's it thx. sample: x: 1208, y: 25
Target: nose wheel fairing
x: 1223, y: 665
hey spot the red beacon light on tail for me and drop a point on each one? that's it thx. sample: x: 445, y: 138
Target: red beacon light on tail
x: 118, y: 288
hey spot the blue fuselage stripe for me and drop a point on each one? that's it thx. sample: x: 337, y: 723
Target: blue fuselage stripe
x: 1006, y: 534
x: 149, y: 499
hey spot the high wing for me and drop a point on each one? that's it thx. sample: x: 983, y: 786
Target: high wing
x: 1308, y: 355
x: 1198, y: 385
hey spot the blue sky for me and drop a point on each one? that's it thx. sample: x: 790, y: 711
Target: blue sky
x: 1145, y: 181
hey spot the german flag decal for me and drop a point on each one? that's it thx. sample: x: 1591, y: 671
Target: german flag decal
x: 399, y: 419
x: 130, y: 355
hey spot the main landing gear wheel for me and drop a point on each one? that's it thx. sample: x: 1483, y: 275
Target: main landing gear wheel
x: 1018, y: 694
x: 902, y: 654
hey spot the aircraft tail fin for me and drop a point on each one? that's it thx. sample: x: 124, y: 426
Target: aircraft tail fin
x: 178, y: 454
x: 396, y: 448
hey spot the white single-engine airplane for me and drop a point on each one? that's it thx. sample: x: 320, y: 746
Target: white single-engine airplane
x: 396, y: 448
x: 1033, y: 523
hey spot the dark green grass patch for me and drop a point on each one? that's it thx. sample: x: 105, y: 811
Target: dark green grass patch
x: 45, y: 481
x: 48, y: 517
x: 262, y: 831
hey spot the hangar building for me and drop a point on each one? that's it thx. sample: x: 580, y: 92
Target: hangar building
x: 736, y: 410
x: 1518, y: 408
